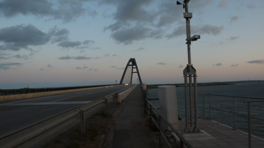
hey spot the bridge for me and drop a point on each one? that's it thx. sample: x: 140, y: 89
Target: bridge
x: 33, y: 119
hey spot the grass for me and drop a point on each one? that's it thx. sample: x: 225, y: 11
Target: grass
x: 95, y: 127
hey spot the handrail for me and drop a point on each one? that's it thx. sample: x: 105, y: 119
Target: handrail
x: 182, y: 139
x: 27, y: 136
x: 249, y: 121
x: 231, y: 96
x: 257, y: 99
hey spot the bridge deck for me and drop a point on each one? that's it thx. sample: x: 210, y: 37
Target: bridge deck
x: 220, y: 137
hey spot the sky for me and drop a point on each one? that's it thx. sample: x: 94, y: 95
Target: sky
x: 50, y: 43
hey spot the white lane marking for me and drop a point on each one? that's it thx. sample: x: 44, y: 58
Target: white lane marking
x: 47, y: 103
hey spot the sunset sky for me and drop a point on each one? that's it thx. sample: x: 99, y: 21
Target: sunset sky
x: 84, y: 42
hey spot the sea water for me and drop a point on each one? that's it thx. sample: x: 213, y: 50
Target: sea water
x: 243, y: 89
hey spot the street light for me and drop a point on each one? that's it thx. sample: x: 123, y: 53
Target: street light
x: 190, y: 72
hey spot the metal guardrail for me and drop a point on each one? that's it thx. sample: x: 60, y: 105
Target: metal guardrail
x: 256, y: 99
x: 32, y: 135
x: 4, y: 92
x: 148, y: 110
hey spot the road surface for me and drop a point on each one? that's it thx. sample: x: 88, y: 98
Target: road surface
x: 17, y: 115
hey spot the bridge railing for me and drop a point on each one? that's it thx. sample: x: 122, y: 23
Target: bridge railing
x: 4, y: 92
x: 41, y: 132
x: 149, y: 107
x: 234, y: 99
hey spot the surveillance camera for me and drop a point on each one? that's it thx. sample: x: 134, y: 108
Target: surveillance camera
x: 195, y: 37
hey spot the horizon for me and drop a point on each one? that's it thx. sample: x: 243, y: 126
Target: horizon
x: 89, y: 42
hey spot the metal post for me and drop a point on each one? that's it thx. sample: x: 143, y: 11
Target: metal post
x: 209, y: 107
x: 82, y: 120
x: 203, y: 108
x: 195, y: 130
x: 191, y: 101
x: 249, y: 125
x: 234, y: 113
x: 106, y: 106
x: 186, y: 106
x: 160, y: 128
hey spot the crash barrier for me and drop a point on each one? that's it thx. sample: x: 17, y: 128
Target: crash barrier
x: 43, y: 94
x: 4, y: 92
x: 41, y: 132
x: 124, y: 94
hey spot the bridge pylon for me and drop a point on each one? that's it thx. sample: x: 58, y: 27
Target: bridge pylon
x: 134, y: 69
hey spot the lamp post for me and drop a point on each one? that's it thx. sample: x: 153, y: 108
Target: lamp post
x: 190, y: 73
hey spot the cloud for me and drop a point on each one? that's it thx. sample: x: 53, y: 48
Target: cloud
x: 128, y: 35
x: 59, y: 35
x: 249, y: 6
x: 206, y: 29
x: 121, y: 68
x: 50, y: 66
x: 256, y: 62
x: 232, y: 38
x: 18, y: 56
x: 96, y: 58
x: 114, y: 55
x: 131, y: 10
x: 8, y: 65
x: 84, y: 67
x: 41, y: 69
x: 20, y: 36
x: 234, y: 18
x: 161, y: 63
x: 74, y: 58
x: 181, y: 66
x: 65, y: 58
x: 140, y: 49
x: 93, y: 69
x: 63, y: 10
x: 67, y: 44
x: 234, y: 65
x: 210, y: 29
x: 113, y: 66
x: 218, y: 64
x: 106, y: 55
x: 222, y: 4
x: 88, y: 42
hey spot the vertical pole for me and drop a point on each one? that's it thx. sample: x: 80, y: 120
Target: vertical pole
x: 191, y: 101
x: 195, y: 130
x: 186, y: 106
x: 209, y: 107
x: 160, y: 126
x: 234, y: 113
x: 203, y: 108
x: 249, y: 125
x: 106, y: 105
x: 82, y: 120
x: 188, y: 34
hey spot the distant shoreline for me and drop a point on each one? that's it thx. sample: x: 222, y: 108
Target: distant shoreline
x: 154, y: 86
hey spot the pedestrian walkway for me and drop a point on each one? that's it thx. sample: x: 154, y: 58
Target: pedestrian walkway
x: 219, y: 136
x: 131, y: 130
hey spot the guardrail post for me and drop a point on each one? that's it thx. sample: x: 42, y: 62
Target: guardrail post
x: 106, y: 105
x: 249, y: 125
x: 160, y: 128
x: 181, y: 144
x: 209, y: 107
x: 82, y: 120
x: 203, y: 108
x: 234, y: 112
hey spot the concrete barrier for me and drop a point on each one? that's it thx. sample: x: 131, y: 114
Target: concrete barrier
x: 41, y: 94
x: 123, y: 95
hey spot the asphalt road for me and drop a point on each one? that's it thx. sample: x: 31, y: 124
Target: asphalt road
x: 20, y: 114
